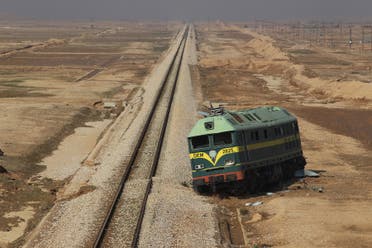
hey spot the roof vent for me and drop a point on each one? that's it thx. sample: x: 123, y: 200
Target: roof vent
x: 256, y: 116
x: 209, y: 125
x: 237, y: 117
x: 217, y: 111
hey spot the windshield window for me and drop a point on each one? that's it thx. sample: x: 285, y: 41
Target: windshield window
x: 222, y: 139
x: 200, y: 141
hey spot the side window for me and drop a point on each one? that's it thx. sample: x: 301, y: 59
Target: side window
x: 222, y: 139
x: 200, y: 142
x: 257, y: 135
x: 240, y: 136
x: 246, y: 134
x: 265, y: 134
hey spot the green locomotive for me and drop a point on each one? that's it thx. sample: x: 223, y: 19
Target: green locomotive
x: 253, y: 147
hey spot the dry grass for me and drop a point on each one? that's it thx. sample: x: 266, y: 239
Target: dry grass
x: 354, y: 123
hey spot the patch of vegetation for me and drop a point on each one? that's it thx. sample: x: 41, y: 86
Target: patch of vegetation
x: 86, y: 189
x: 110, y: 93
x: 141, y: 73
x: 21, y: 92
x: 310, y: 73
x: 160, y: 48
x: 243, y: 211
x: 302, y: 51
x: 11, y: 83
x: 18, y: 193
x: 14, y: 88
x: 8, y: 72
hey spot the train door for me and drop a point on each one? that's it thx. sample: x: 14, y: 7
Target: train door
x: 243, y: 143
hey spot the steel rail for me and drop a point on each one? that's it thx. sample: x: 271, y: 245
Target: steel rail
x: 104, y: 227
x: 158, y: 151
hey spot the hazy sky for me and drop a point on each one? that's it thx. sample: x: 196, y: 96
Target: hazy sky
x: 189, y: 9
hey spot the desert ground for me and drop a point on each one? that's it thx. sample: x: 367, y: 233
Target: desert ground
x: 328, y: 90
x: 56, y: 79
x: 74, y: 96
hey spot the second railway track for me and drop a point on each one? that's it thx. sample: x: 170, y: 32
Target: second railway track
x: 122, y: 225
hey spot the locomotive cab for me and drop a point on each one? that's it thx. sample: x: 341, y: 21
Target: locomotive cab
x: 228, y: 146
x: 214, y: 152
x: 215, y: 146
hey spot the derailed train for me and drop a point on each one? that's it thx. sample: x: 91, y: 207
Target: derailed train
x: 250, y: 147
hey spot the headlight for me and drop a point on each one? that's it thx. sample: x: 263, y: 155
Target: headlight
x: 199, y: 166
x: 229, y: 162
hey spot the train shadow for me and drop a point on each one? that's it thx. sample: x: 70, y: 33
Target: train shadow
x: 241, y: 191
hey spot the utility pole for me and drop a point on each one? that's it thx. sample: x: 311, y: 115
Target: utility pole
x: 324, y: 35
x: 331, y: 44
x: 371, y: 37
x: 317, y: 34
x: 341, y: 33
x: 350, y: 37
x: 362, y: 38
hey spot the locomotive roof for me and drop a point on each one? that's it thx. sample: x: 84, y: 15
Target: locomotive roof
x: 240, y: 120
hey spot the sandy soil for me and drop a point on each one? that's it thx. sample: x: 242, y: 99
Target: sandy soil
x: 251, y: 70
x: 272, y: 56
x: 67, y: 159
x: 87, y: 196
x: 17, y: 230
x: 233, y: 65
x: 58, y: 80
x: 339, y: 217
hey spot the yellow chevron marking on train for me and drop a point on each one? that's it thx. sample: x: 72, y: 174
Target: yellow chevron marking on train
x: 220, y: 154
x: 202, y: 155
x: 229, y: 150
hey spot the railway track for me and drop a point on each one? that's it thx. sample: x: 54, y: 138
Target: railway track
x: 122, y: 225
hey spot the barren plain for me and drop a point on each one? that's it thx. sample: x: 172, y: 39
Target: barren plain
x: 328, y: 90
x: 54, y: 78
x: 74, y: 96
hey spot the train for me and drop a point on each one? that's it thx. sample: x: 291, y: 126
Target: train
x: 249, y: 148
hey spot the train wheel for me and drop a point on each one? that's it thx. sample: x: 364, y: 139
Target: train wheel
x: 202, y: 189
x: 285, y: 171
x: 277, y: 173
x: 238, y: 188
x: 301, y: 162
x: 253, y: 182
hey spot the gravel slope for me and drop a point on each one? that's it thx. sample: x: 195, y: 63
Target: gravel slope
x: 180, y: 217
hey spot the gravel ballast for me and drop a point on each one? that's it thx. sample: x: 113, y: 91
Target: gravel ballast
x: 175, y: 215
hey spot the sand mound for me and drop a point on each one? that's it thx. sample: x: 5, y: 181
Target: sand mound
x: 272, y: 56
x: 267, y: 49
